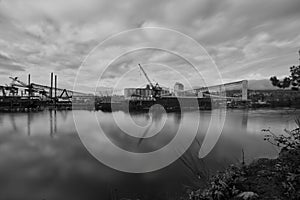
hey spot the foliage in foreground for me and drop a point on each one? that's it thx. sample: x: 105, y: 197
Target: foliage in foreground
x: 287, y: 141
x: 293, y: 80
x: 263, y: 179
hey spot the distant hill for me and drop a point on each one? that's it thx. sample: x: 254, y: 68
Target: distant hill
x: 263, y: 84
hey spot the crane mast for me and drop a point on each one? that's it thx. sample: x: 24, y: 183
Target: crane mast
x: 145, y: 74
x: 156, y: 88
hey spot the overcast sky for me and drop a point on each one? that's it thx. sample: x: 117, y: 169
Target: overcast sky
x: 252, y: 39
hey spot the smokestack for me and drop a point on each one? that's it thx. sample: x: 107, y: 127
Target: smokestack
x: 29, y: 88
x: 51, y: 85
x: 55, y: 87
x: 299, y: 56
x: 29, y: 79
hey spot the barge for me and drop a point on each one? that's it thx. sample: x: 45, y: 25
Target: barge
x: 167, y: 103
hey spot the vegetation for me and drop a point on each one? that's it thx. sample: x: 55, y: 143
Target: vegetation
x: 288, y: 141
x: 293, y: 80
x: 264, y: 179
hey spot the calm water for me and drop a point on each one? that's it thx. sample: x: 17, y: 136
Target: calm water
x: 42, y: 157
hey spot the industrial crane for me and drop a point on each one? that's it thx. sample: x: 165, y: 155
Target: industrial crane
x: 156, y: 88
x: 14, y: 80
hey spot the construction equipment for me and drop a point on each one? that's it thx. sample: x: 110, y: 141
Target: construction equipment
x: 155, y: 88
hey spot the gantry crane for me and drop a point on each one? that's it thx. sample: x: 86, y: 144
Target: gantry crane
x: 155, y: 88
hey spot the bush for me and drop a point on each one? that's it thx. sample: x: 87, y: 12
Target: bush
x: 288, y: 141
x: 263, y: 179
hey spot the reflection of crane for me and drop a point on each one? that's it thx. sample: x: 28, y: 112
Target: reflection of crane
x: 156, y: 88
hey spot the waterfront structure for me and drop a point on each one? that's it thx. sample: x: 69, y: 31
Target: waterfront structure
x: 19, y: 96
x: 143, y: 93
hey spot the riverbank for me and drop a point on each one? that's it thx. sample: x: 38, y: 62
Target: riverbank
x: 263, y: 179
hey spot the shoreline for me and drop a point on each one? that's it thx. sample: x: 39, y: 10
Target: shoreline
x: 263, y: 178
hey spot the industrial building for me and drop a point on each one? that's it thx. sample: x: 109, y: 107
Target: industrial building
x: 178, y: 89
x: 143, y: 93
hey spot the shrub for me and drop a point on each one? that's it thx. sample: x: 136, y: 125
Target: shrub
x: 288, y: 141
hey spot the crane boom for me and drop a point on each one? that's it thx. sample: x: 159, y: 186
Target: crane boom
x: 148, y: 79
x: 16, y: 80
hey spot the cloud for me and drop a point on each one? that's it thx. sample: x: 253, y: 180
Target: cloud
x: 7, y: 63
x: 12, y: 67
x: 4, y: 56
x: 40, y: 36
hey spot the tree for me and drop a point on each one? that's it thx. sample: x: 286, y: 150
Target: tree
x: 293, y: 80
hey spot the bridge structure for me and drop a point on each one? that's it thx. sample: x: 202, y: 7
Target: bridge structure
x: 219, y: 91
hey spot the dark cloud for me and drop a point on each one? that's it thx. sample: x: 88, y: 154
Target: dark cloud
x: 11, y: 67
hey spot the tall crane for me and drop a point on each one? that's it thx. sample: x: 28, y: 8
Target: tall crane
x: 156, y: 88
x: 148, y: 79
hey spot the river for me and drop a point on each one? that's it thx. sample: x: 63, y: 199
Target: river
x: 42, y: 156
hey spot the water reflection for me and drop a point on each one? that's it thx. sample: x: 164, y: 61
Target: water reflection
x: 19, y: 122
x: 155, y: 116
x: 155, y: 129
x: 30, y: 120
x: 53, y: 122
x: 53, y: 164
x: 13, y: 122
x: 28, y: 123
